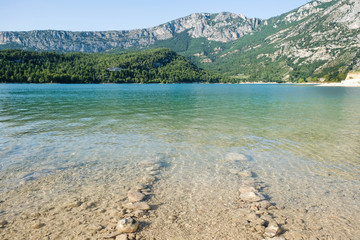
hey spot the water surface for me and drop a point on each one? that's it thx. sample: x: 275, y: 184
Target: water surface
x: 303, y: 141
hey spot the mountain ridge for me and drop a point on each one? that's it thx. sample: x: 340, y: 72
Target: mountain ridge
x: 222, y: 27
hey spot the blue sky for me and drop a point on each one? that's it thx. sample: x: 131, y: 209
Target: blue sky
x: 91, y: 15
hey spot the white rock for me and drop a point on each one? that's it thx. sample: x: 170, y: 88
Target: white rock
x: 272, y: 230
x: 127, y: 225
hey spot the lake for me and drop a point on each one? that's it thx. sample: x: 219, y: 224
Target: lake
x: 69, y: 155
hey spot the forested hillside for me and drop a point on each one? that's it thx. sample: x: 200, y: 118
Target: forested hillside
x: 148, y: 66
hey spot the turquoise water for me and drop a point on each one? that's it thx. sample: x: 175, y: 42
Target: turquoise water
x: 303, y: 140
x: 42, y: 124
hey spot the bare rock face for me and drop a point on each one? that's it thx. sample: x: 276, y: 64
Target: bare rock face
x: 127, y: 225
x: 222, y: 27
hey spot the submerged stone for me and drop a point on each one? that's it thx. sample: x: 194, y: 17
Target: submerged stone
x: 251, y: 196
x: 135, y: 196
x: 272, y: 230
x: 127, y: 225
x: 137, y: 206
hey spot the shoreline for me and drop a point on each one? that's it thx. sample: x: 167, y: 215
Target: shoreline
x: 332, y: 84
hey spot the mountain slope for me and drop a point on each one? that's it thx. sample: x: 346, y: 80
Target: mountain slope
x: 317, y: 39
x: 222, y: 27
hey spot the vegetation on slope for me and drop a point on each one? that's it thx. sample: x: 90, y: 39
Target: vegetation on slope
x: 148, y: 66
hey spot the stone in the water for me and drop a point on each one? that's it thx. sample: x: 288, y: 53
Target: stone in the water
x: 148, y: 179
x: 38, y: 225
x: 3, y: 223
x: 153, y: 173
x: 135, y: 196
x: 140, y: 187
x: 154, y: 167
x: 236, y: 157
x: 127, y: 225
x: 272, y: 230
x: 263, y: 204
x: 246, y: 173
x: 137, y: 206
x: 251, y: 196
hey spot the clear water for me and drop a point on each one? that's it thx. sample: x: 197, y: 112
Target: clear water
x: 304, y: 141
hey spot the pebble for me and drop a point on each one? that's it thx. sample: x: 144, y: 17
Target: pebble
x: 127, y: 225
x: 153, y: 173
x: 135, y: 196
x: 272, y: 230
x: 154, y: 167
x: 137, y: 206
x: 246, y: 173
x: 37, y: 225
x: 148, y: 179
x: 251, y: 196
x: 3, y: 223
x: 263, y: 204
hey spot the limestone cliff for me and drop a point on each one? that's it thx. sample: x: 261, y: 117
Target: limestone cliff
x: 222, y: 27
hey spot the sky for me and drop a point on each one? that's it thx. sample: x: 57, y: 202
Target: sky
x: 102, y: 15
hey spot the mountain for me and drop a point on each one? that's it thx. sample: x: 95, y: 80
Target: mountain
x: 222, y: 27
x: 319, y: 40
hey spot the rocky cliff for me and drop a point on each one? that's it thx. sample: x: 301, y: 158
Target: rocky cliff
x: 322, y: 37
x: 222, y: 27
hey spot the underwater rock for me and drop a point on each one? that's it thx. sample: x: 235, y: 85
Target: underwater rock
x: 272, y: 230
x: 246, y: 173
x: 137, y: 206
x: 127, y: 225
x: 251, y: 196
x: 148, y: 179
x: 37, y: 225
x: 3, y: 223
x: 135, y: 196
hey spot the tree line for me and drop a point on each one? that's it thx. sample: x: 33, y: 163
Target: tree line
x: 148, y: 66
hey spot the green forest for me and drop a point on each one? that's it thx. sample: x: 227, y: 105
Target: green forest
x: 148, y: 66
